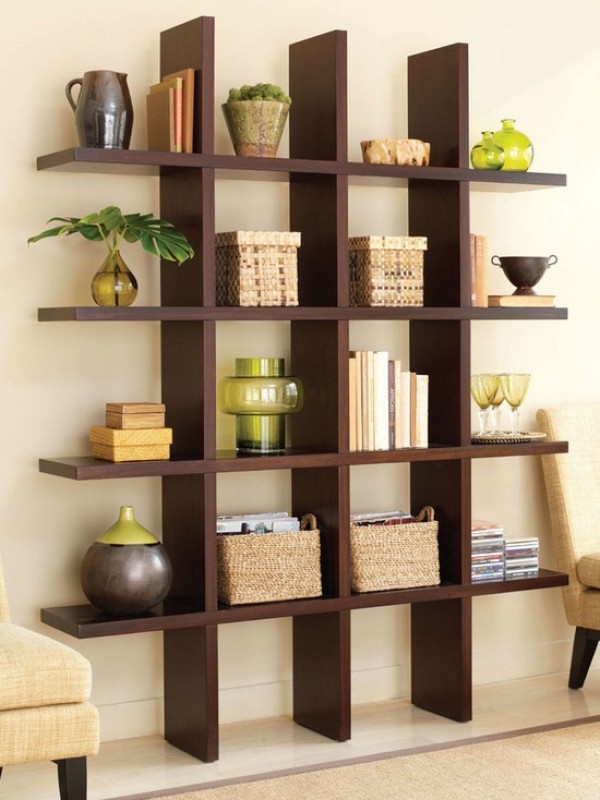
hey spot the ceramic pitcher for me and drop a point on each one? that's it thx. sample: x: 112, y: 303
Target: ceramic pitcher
x: 103, y: 109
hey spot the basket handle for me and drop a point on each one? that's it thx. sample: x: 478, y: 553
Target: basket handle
x: 426, y: 514
x: 308, y: 521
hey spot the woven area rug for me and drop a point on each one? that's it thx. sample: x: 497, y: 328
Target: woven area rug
x: 552, y: 763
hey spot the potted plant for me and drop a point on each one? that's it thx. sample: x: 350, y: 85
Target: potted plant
x: 256, y: 116
x: 114, y: 284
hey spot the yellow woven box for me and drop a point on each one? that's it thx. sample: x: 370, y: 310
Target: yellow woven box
x: 116, y: 453
x: 266, y: 567
x: 144, y: 444
x: 395, y: 556
x: 128, y: 437
x: 386, y: 270
x: 257, y: 268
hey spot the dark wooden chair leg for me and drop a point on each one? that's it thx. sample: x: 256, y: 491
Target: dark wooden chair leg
x: 72, y: 778
x: 584, y: 647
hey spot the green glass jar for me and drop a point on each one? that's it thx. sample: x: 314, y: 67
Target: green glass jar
x: 518, y: 150
x: 260, y: 395
x: 486, y: 154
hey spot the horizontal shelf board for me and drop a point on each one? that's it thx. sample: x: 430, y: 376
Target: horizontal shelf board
x: 85, y: 621
x: 146, y: 162
x: 287, y: 313
x: 83, y: 468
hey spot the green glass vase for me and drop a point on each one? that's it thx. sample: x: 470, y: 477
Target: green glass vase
x: 260, y: 395
x: 518, y: 149
x: 486, y: 154
x: 114, y: 284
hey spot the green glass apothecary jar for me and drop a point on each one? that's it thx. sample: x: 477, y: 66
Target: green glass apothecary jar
x: 486, y: 154
x: 260, y: 395
x: 518, y: 149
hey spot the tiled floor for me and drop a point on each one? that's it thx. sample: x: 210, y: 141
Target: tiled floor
x: 149, y: 764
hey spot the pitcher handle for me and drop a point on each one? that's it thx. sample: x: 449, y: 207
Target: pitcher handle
x: 550, y: 262
x: 69, y: 89
x: 496, y: 263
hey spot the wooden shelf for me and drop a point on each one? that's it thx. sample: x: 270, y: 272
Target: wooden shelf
x: 83, y: 468
x: 287, y: 313
x: 86, y: 622
x: 146, y: 162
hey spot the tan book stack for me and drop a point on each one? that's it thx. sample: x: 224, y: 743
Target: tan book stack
x: 133, y: 432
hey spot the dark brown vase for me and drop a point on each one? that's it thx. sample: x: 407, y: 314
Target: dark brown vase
x: 126, y: 570
x: 103, y: 109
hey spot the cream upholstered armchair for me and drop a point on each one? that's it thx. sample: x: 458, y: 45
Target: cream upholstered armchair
x: 573, y: 488
x: 44, y: 710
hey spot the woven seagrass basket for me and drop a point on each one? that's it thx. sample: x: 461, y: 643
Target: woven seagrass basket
x: 395, y: 556
x: 257, y: 268
x: 386, y: 270
x: 265, y: 567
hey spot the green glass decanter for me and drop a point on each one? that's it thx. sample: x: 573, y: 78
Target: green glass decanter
x: 486, y: 154
x: 518, y: 150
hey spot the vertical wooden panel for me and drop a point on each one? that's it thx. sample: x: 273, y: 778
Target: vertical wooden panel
x: 191, y: 691
x: 441, y: 657
x: 322, y: 673
x: 438, y: 103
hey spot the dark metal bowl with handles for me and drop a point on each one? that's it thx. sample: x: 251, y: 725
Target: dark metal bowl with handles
x: 524, y: 271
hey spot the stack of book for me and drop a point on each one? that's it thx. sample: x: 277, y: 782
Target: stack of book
x: 521, y: 558
x: 388, y: 406
x: 133, y: 432
x: 262, y: 522
x: 170, y: 113
x: 487, y: 551
x: 479, y: 270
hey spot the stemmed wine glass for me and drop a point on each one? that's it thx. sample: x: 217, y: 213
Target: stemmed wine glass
x: 497, y: 401
x: 483, y: 390
x: 514, y: 386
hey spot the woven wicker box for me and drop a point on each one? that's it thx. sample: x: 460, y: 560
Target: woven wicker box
x: 395, y: 556
x: 266, y: 567
x: 257, y: 268
x: 142, y: 444
x: 386, y: 270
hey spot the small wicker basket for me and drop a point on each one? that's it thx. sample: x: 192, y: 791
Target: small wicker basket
x: 386, y: 270
x: 395, y: 556
x: 257, y: 268
x: 266, y: 567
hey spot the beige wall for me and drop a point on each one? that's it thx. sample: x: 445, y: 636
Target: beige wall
x: 536, y: 61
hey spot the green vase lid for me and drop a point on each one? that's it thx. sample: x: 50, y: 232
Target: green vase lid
x: 127, y: 531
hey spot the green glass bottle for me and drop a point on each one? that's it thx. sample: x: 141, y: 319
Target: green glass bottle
x: 260, y: 395
x: 518, y: 150
x: 486, y: 154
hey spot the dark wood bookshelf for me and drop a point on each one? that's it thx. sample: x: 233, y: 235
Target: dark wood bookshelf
x: 319, y: 462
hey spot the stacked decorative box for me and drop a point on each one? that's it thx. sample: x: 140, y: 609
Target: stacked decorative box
x: 133, y: 432
x: 257, y: 268
x: 386, y: 270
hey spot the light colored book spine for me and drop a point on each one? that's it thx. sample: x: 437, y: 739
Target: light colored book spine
x: 397, y: 372
x: 381, y: 406
x: 422, y: 411
x: 352, y: 392
x: 403, y: 409
x: 174, y: 86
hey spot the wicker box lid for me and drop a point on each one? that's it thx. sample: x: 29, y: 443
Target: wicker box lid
x: 388, y: 243
x: 275, y: 238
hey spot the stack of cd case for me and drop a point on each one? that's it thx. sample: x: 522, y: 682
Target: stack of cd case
x: 487, y: 551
